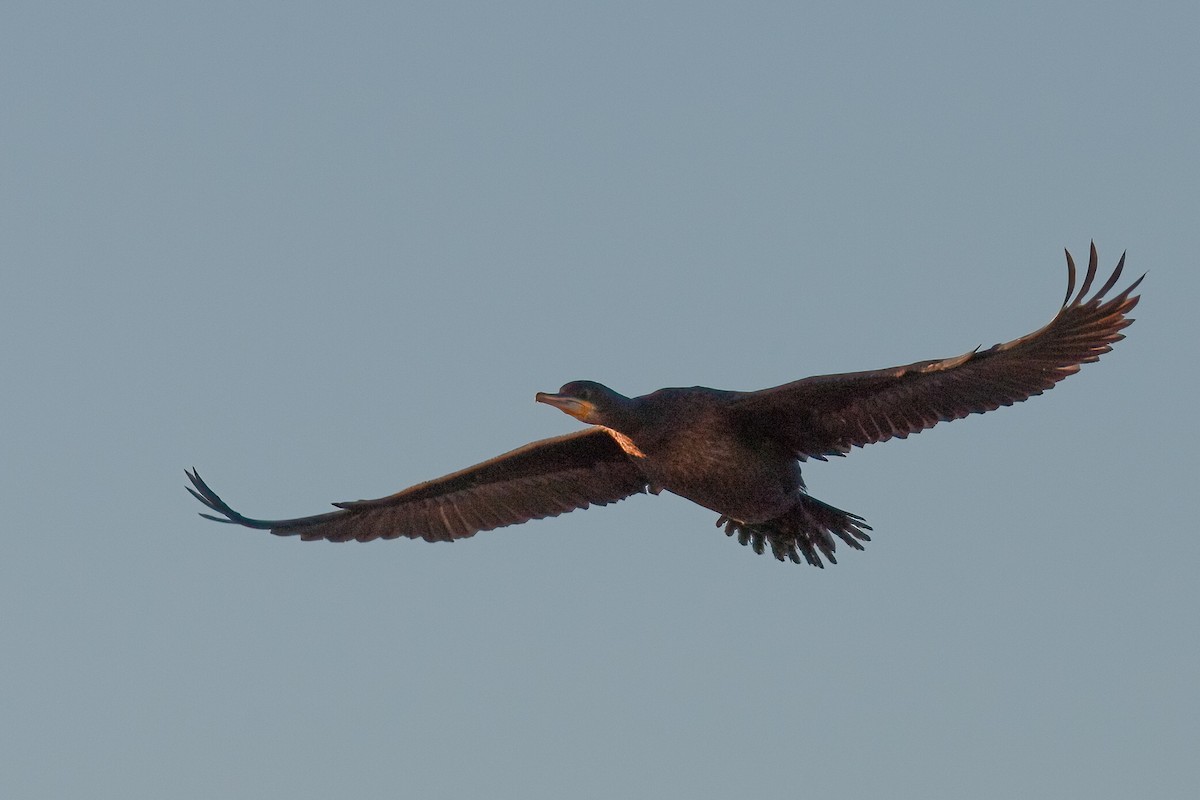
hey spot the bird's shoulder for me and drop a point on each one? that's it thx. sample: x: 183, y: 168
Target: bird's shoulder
x: 679, y: 416
x: 677, y: 398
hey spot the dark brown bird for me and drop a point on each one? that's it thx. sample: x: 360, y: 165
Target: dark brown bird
x: 736, y: 453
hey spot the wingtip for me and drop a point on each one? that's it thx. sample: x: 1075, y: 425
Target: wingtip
x: 1129, y: 290
x: 1090, y: 276
x: 1112, y: 279
x: 1080, y: 297
x: 194, y: 477
x: 1070, y: 277
x: 211, y: 500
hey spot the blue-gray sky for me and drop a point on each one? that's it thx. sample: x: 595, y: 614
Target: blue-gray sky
x: 323, y: 251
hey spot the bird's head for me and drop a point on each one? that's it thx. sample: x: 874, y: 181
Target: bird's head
x: 587, y: 401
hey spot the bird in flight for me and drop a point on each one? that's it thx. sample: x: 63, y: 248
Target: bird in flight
x: 735, y: 453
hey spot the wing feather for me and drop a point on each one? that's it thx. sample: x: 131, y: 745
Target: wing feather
x: 542, y: 479
x: 828, y: 414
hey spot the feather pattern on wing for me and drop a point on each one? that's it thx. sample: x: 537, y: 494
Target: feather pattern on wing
x: 541, y: 479
x: 828, y: 414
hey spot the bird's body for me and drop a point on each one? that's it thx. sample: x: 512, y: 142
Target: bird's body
x: 736, y: 453
x: 685, y: 441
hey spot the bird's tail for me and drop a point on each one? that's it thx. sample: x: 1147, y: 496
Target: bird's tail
x: 807, y: 529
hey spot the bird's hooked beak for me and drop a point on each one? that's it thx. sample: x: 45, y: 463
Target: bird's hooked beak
x: 579, y: 409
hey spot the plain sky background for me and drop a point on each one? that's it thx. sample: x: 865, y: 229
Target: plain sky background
x: 324, y: 251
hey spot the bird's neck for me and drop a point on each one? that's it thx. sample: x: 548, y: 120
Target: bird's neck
x: 623, y: 422
x: 623, y: 415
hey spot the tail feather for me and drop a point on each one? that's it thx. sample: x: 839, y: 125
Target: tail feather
x: 807, y: 529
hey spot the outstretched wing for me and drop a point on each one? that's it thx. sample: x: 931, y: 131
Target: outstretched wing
x: 542, y: 479
x: 828, y: 414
